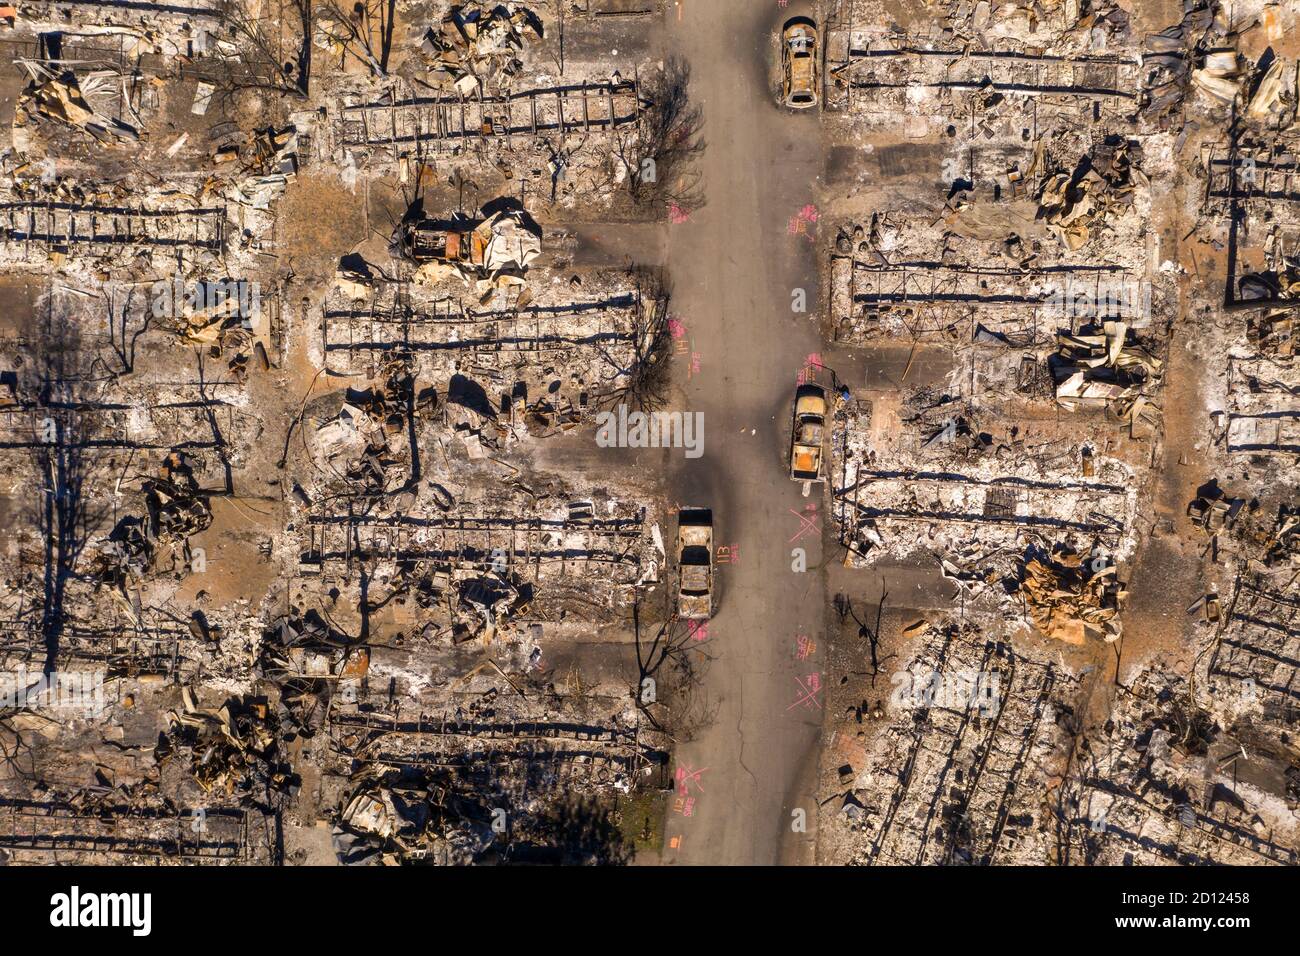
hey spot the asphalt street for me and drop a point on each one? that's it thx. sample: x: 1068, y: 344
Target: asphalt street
x: 735, y: 265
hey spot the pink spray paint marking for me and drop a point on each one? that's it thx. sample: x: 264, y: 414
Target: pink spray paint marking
x: 808, y: 523
x: 810, y: 368
x: 809, y: 688
x: 686, y: 777
x: 799, y: 224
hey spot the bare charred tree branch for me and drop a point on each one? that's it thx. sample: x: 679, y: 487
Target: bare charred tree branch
x: 663, y: 171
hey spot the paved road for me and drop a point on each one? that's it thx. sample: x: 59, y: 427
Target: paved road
x: 734, y: 265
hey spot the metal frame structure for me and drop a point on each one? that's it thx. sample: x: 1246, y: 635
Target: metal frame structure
x: 586, y: 108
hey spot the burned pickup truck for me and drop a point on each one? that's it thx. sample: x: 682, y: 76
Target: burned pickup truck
x: 695, y: 564
x: 808, y: 433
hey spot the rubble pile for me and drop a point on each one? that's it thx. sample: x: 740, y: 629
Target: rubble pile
x: 271, y: 163
x: 1107, y: 366
x: 59, y: 96
x: 1284, y: 545
x: 492, y: 253
x: 177, y: 508
x: 1028, y: 526
x: 1070, y: 600
x: 477, y: 46
x: 232, y: 749
x: 1163, y: 783
x: 1074, y: 204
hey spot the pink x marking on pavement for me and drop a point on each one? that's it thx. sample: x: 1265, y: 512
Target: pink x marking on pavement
x: 686, y: 776
x: 807, y: 525
x: 809, y: 691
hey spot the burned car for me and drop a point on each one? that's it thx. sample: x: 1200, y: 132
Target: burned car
x: 503, y: 243
x: 799, y: 68
x: 430, y: 240
x: 695, y: 563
